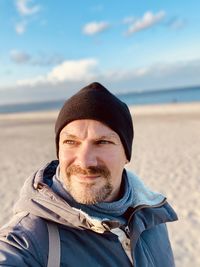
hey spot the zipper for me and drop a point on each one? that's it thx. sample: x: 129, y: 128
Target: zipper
x: 140, y: 207
x: 127, y: 231
x: 137, y: 208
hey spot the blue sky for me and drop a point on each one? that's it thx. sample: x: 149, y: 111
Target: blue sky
x: 50, y: 49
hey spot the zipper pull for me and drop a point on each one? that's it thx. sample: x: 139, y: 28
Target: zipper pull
x: 127, y: 231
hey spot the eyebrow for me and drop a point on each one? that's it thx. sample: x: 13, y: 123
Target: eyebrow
x: 109, y: 136
x: 69, y: 135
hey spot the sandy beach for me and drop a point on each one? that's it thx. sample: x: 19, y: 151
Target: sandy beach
x: 166, y: 155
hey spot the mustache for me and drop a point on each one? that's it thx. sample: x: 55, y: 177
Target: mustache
x: 92, y: 170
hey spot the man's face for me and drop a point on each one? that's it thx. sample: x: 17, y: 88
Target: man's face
x: 92, y: 159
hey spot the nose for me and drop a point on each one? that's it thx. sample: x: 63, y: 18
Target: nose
x: 86, y: 156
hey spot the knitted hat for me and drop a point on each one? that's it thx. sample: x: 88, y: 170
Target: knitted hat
x: 96, y: 102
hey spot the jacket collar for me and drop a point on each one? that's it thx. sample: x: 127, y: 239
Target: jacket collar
x: 38, y: 198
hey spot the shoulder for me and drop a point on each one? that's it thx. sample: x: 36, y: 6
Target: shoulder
x: 27, y: 223
x: 156, y: 246
x: 25, y: 235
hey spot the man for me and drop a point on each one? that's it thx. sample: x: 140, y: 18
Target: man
x: 85, y: 209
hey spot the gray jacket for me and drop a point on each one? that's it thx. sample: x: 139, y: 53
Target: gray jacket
x: 24, y: 241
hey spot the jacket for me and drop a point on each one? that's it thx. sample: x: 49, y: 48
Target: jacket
x: 24, y: 241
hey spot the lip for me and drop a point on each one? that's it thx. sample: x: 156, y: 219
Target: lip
x: 86, y: 177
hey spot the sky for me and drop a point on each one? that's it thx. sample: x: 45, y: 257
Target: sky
x: 51, y: 49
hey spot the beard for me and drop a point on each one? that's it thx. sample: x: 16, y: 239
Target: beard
x: 91, y: 192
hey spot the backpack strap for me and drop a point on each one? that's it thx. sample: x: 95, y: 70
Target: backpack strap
x: 54, y: 245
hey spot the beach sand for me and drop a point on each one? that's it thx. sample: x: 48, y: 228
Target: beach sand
x: 166, y: 155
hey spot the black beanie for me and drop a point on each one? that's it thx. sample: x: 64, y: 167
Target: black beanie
x: 96, y: 102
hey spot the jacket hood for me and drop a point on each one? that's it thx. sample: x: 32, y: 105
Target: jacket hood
x: 39, y: 199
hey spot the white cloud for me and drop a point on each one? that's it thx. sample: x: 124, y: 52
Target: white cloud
x: 71, y: 71
x: 46, y: 60
x: 124, y: 75
x: 20, y: 27
x: 157, y: 76
x: 19, y: 57
x: 41, y: 60
x: 148, y: 20
x: 25, y: 9
x: 95, y: 27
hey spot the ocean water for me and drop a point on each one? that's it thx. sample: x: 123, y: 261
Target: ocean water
x: 183, y: 95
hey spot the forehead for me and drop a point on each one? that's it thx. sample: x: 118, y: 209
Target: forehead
x: 92, y: 127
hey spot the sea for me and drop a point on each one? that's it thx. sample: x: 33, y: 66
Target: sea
x: 177, y: 95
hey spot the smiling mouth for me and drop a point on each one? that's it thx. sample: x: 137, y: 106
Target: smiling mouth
x: 87, y: 178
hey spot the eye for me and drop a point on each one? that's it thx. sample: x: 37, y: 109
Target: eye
x: 70, y: 142
x: 104, y: 142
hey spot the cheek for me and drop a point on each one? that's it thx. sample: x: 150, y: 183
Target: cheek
x: 64, y: 153
x: 117, y: 156
x: 64, y: 163
x: 115, y: 162
x: 64, y: 160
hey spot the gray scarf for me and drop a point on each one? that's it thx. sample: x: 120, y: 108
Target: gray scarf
x: 104, y: 210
